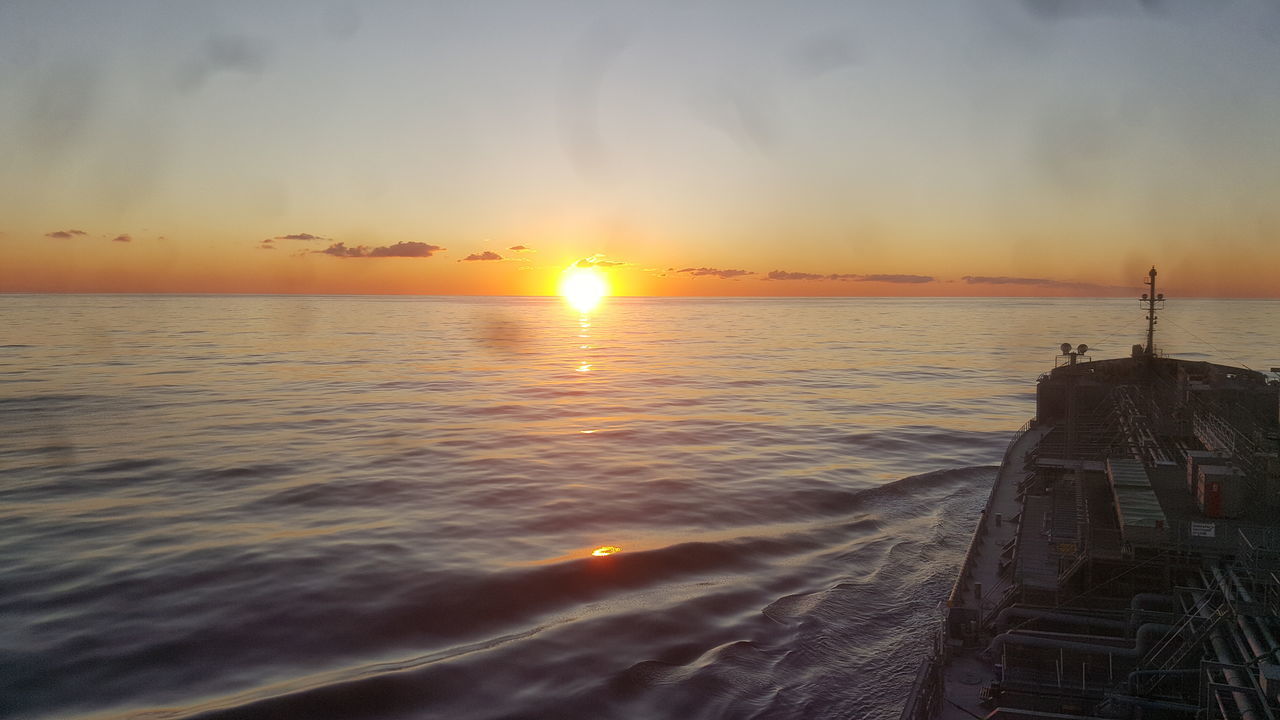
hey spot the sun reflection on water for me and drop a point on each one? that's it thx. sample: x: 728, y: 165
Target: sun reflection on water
x: 584, y: 364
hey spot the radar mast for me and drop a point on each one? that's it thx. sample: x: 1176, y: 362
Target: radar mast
x: 1151, y: 299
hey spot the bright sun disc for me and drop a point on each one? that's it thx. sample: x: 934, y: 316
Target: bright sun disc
x: 583, y: 288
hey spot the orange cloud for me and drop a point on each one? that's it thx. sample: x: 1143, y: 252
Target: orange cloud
x: 597, y: 261
x: 715, y: 272
x: 909, y: 279
x: 400, y: 249
x: 1039, y: 282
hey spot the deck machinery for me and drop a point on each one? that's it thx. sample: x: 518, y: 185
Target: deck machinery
x: 1127, y: 562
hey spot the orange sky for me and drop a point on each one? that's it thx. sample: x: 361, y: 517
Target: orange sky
x: 87, y: 263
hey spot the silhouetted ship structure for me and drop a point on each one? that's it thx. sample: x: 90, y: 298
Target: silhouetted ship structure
x: 1127, y: 562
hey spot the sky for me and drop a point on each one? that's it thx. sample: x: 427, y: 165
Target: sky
x: 691, y: 147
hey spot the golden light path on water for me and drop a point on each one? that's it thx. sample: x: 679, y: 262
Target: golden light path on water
x: 583, y: 289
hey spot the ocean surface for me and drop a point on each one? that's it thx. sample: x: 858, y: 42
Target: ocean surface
x: 386, y: 507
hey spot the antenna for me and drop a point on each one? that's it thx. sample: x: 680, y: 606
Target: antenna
x: 1151, y: 299
x: 1072, y: 355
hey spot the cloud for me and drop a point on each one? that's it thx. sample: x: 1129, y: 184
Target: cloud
x: 520, y: 248
x: 400, y: 249
x: 1005, y: 280
x: 784, y: 275
x: 405, y: 249
x: 826, y: 52
x: 64, y: 234
x: 715, y: 272
x: 1056, y: 10
x: 486, y: 255
x: 341, y: 250
x: 909, y: 279
x: 122, y: 238
x: 1039, y: 282
x: 597, y: 261
x: 223, y: 53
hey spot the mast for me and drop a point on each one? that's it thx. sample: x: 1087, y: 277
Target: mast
x: 1151, y: 299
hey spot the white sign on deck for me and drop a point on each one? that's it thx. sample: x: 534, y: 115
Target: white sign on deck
x: 1199, y: 529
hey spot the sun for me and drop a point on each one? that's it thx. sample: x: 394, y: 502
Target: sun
x: 583, y: 288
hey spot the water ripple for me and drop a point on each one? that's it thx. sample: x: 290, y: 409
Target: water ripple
x: 244, y: 507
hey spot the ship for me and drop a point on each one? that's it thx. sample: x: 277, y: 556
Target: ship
x: 1126, y: 563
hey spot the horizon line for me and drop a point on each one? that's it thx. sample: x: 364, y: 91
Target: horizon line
x: 627, y: 297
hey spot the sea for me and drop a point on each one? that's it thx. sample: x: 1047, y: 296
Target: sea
x: 481, y: 508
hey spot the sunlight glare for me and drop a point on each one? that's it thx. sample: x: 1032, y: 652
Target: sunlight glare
x: 606, y: 550
x: 583, y: 288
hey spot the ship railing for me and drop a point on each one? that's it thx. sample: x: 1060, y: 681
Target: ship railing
x: 1259, y: 541
x: 925, y: 699
x: 1257, y: 546
x: 958, y: 589
x: 1016, y: 437
x: 1071, y: 564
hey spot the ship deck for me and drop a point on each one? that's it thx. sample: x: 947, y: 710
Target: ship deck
x: 988, y: 575
x: 1096, y: 583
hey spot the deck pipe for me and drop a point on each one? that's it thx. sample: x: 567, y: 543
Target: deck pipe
x: 1256, y: 643
x: 1132, y: 681
x: 1262, y: 622
x: 1221, y: 648
x: 1152, y: 607
x: 1166, y: 602
x: 1004, y: 618
x: 1147, y: 636
x: 1244, y: 703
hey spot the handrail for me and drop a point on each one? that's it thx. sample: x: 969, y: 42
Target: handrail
x: 926, y: 691
x: 973, y: 542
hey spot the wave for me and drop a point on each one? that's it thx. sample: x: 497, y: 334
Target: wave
x: 686, y: 628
